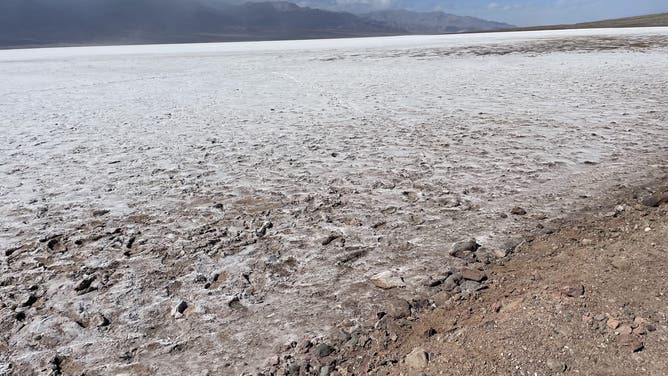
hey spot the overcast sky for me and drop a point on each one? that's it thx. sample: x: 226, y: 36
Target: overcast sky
x: 531, y: 12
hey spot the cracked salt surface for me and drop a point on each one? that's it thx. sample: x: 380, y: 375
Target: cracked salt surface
x: 264, y: 183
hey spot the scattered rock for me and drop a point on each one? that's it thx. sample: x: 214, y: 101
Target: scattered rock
x: 451, y: 282
x: 325, y: 370
x: 613, y: 323
x: 262, y: 231
x: 100, y: 212
x: 655, y: 199
x: 625, y: 330
x: 235, y: 303
x: 573, y: 291
x: 387, y: 280
x: 417, y: 359
x: 471, y: 286
x: 273, y: 361
x: 500, y: 253
x: 631, y: 342
x: 600, y: 317
x: 324, y: 350
x: 85, y: 283
x: 294, y: 369
x: 399, y: 308
x: 472, y: 275
x: 464, y: 248
x: 306, y: 346
x: 509, y: 245
x: 101, y: 321
x: 518, y: 211
x: 486, y: 255
x: 586, y: 242
x: 556, y: 366
x: 330, y: 239
x: 436, y: 281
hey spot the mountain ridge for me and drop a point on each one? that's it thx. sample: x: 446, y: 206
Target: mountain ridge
x: 37, y: 23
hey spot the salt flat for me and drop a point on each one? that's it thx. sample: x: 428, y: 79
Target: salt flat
x: 264, y: 183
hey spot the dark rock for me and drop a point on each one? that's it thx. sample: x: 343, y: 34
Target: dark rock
x: 85, y: 283
x: 55, y: 364
x: 20, y: 316
x: 330, y: 238
x: 29, y: 300
x: 324, y: 350
x: 181, y: 307
x: 430, y: 332
x: 99, y: 213
x: 262, y: 231
x: 101, y: 321
x: 235, y: 303
x: 130, y: 242
x: 518, y: 211
x: 655, y: 199
x: 293, y: 370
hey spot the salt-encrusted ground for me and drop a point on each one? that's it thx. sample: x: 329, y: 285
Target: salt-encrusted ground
x: 263, y: 183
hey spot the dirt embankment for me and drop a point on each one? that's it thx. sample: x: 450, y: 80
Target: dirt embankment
x: 587, y: 296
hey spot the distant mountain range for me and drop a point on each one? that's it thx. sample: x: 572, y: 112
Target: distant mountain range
x: 649, y: 20
x: 433, y: 22
x: 87, y: 22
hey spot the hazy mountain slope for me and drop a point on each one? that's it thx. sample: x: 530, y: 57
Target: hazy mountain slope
x: 45, y: 22
x: 433, y: 22
x: 650, y: 20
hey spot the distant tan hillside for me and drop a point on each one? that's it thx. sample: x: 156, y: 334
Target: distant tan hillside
x: 660, y: 19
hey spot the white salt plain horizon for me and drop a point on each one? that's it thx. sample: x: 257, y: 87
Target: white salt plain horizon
x: 213, y: 174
